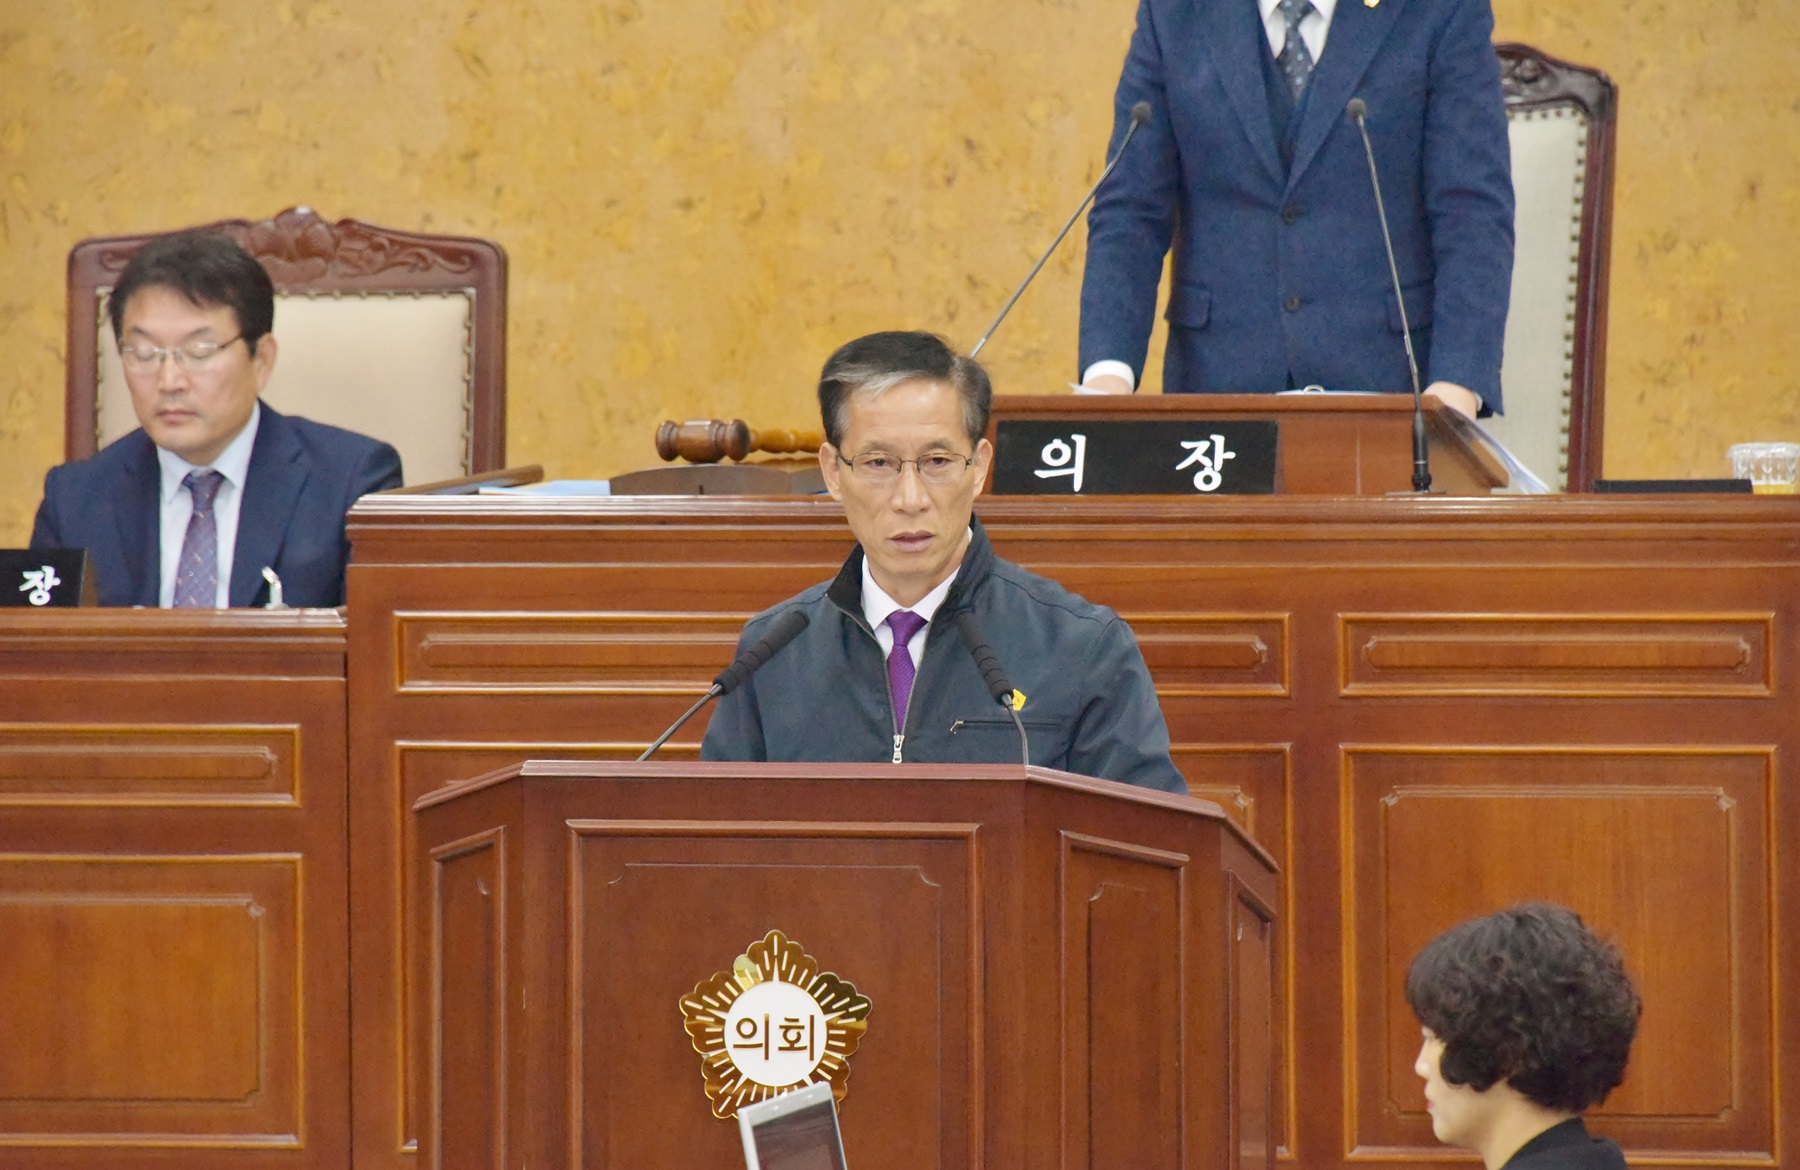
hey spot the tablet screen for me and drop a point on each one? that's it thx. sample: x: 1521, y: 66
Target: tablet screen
x: 806, y: 1139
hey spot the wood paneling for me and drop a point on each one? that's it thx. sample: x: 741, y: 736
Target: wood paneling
x: 1256, y: 1041
x: 408, y: 741
x: 1665, y: 851
x: 468, y: 904
x: 1423, y: 708
x: 1214, y: 654
x: 81, y: 765
x: 173, y: 895
x: 890, y: 907
x: 565, y: 653
x: 1485, y: 657
x: 1590, y: 655
x: 1253, y: 783
x: 86, y: 1019
x: 1123, y: 1017
x: 1033, y: 947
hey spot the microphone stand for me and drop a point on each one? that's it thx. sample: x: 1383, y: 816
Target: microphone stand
x: 783, y: 630
x: 1140, y: 114
x: 1421, y: 477
x: 998, y: 685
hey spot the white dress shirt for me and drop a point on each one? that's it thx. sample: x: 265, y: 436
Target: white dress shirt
x: 877, y: 605
x: 178, y: 508
x: 1312, y: 30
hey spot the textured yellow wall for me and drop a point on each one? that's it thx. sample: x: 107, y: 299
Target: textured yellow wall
x: 701, y: 198
x: 1703, y: 348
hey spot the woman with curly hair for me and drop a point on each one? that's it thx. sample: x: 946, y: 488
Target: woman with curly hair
x: 1527, y: 1020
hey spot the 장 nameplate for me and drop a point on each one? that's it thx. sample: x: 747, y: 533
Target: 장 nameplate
x: 42, y: 577
x: 1107, y: 457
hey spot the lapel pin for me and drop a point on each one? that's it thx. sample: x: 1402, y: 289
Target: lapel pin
x: 1370, y: 3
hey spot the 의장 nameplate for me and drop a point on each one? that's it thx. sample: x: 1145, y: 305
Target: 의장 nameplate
x: 1095, y: 457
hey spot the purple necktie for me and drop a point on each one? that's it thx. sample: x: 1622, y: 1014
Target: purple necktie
x: 197, y: 573
x: 905, y: 623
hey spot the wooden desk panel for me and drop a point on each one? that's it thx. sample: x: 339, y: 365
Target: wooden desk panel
x: 1054, y: 968
x: 173, y: 898
x: 1424, y: 708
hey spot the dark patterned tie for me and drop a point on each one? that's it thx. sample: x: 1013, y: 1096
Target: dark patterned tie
x: 905, y: 623
x: 1296, y: 59
x: 197, y: 574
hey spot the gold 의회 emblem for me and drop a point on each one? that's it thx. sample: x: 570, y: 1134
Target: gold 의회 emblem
x: 773, y: 1022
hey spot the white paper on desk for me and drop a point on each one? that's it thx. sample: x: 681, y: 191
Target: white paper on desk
x: 554, y: 487
x: 1523, y: 480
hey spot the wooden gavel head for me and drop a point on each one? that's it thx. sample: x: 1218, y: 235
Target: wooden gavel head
x: 709, y: 440
x: 705, y: 440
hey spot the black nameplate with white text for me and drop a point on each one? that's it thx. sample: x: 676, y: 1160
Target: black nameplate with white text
x: 1092, y: 457
x: 42, y: 577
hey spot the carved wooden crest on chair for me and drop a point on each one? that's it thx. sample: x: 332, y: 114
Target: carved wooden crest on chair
x: 396, y: 334
x: 1561, y: 119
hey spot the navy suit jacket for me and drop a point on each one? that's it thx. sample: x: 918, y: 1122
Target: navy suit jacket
x: 1281, y: 271
x: 303, y: 477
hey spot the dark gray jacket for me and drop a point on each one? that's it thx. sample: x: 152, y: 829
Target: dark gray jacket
x: 1089, y: 708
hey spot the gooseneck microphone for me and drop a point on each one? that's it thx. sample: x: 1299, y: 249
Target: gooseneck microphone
x: 785, y: 629
x: 1421, y: 478
x: 1140, y: 114
x: 988, y: 663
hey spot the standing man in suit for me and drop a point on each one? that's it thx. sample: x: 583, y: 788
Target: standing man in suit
x: 189, y: 509
x: 1252, y: 173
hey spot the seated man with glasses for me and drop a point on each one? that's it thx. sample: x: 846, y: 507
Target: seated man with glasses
x: 215, y: 487
x: 881, y: 672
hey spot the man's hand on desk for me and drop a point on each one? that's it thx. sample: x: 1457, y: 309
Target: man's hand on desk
x: 1461, y: 398
x: 1106, y: 384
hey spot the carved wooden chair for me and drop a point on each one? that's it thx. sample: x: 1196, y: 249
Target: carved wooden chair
x: 394, y: 334
x: 1561, y: 119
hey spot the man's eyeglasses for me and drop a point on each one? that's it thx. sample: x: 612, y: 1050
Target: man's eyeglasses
x: 189, y: 355
x: 934, y: 467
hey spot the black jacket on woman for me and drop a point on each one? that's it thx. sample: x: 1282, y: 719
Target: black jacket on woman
x: 1567, y: 1146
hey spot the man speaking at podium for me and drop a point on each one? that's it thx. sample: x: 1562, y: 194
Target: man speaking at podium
x: 214, y: 488
x: 882, y: 670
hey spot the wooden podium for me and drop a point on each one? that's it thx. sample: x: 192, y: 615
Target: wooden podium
x: 1061, y: 972
x: 1330, y: 444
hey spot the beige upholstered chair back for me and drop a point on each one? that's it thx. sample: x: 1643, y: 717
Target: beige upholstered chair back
x: 1561, y: 119
x: 392, y: 334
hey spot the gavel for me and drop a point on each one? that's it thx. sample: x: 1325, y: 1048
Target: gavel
x: 708, y: 440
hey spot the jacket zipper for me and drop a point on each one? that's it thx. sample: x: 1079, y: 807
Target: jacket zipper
x: 899, y: 724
